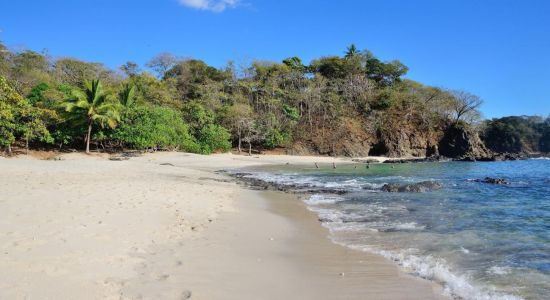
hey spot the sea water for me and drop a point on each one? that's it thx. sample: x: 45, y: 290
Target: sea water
x: 480, y: 241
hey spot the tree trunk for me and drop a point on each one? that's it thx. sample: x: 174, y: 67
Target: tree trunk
x: 239, y: 146
x: 9, y: 150
x: 27, y: 145
x: 88, y: 137
x: 249, y: 148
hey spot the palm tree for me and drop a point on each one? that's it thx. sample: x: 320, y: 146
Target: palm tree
x: 351, y: 51
x: 92, y: 106
x: 127, y: 95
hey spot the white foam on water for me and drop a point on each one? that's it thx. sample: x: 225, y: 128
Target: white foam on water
x: 428, y: 267
x: 323, y: 199
x: 409, y: 226
x: 499, y: 270
x: 437, y: 270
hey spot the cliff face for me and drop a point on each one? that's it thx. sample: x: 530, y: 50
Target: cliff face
x: 463, y: 143
x: 454, y: 141
x: 404, y: 143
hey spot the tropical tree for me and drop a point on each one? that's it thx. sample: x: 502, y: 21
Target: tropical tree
x: 19, y: 119
x: 351, y: 51
x: 93, y: 107
x: 127, y: 95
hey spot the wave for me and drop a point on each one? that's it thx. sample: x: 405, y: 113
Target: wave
x: 427, y: 267
x: 437, y: 270
x: 540, y: 158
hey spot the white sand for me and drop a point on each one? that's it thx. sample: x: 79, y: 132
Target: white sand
x: 164, y: 226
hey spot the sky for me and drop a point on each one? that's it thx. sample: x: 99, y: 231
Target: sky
x: 496, y: 49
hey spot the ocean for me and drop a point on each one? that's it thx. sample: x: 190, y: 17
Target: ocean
x: 478, y: 240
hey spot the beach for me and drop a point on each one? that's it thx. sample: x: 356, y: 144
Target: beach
x: 168, y: 226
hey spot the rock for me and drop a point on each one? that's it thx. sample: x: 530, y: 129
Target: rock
x: 463, y: 143
x: 402, y: 141
x: 118, y: 158
x: 415, y: 160
x: 259, y: 184
x: 420, y: 187
x: 490, y: 180
x: 366, y: 161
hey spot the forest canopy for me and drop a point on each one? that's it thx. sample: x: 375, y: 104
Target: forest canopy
x: 353, y: 104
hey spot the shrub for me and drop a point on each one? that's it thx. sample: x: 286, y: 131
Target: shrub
x: 154, y: 127
x: 214, y: 138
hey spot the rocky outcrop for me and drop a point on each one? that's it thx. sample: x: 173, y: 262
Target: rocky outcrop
x: 405, y: 142
x: 463, y: 143
x: 420, y: 187
x: 353, y: 139
x: 490, y: 180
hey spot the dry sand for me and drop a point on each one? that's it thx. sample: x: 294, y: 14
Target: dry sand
x: 165, y: 226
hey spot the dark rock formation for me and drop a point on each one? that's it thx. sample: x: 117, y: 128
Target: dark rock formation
x: 420, y: 187
x: 259, y: 184
x: 458, y: 142
x: 405, y: 141
x: 366, y: 161
x: 463, y: 143
x: 490, y: 180
x: 416, y: 160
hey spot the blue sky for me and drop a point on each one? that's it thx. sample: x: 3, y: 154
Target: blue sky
x: 497, y: 49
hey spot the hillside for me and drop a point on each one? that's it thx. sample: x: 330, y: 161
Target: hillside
x: 351, y: 105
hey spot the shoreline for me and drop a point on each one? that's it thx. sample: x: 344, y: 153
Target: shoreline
x: 166, y: 226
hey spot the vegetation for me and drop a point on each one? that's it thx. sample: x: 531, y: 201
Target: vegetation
x: 518, y: 134
x: 354, y: 104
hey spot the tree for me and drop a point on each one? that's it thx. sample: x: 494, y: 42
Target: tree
x: 130, y: 68
x: 351, y: 51
x: 4, y: 59
x: 76, y: 73
x: 162, y: 63
x: 127, y: 96
x: 236, y: 117
x: 464, y: 106
x: 28, y: 69
x: 19, y: 119
x: 154, y: 127
x: 93, y: 107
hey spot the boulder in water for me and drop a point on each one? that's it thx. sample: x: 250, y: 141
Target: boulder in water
x: 490, y: 180
x: 420, y: 187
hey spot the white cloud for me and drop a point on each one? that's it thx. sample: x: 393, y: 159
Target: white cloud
x: 211, y: 5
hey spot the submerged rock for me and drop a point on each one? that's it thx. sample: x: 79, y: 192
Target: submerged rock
x: 490, y: 180
x: 259, y: 184
x: 421, y: 187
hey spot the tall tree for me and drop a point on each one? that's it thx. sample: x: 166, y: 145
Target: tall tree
x: 464, y: 106
x: 351, y: 51
x: 92, y: 106
x: 162, y: 63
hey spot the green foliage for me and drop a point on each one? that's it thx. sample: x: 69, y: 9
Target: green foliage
x: 517, y: 134
x: 195, y: 107
x: 127, y: 96
x: 92, y: 106
x: 276, y: 138
x: 37, y: 93
x: 197, y: 115
x: 153, y: 127
x: 291, y: 112
x: 213, y: 138
x: 19, y: 119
